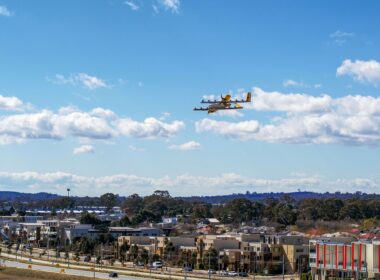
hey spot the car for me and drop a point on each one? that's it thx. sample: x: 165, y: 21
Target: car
x: 113, y: 275
x: 232, y: 273
x: 211, y: 271
x: 140, y: 264
x: 157, y: 264
x: 223, y: 273
x: 243, y: 274
x: 187, y: 269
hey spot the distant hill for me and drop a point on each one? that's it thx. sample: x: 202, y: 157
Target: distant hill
x: 24, y: 197
x: 262, y: 196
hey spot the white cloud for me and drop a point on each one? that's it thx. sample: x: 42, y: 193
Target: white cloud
x: 340, y: 37
x: 341, y: 34
x: 188, y: 146
x: 126, y: 184
x: 132, y: 5
x: 98, y: 124
x: 288, y: 83
x: 172, y: 5
x: 155, y: 9
x: 353, y: 120
x: 291, y: 102
x: 83, y: 79
x: 150, y: 128
x: 10, y: 103
x: 136, y: 149
x: 361, y: 70
x: 229, y: 113
x: 164, y: 116
x: 5, y: 12
x: 84, y: 149
x: 240, y: 130
x: 293, y: 83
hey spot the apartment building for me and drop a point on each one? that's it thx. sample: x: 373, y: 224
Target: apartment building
x: 357, y: 260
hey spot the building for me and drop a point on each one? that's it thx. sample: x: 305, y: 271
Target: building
x: 76, y: 231
x: 358, y: 259
x: 128, y: 231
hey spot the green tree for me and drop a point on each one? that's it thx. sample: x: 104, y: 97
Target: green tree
x: 123, y: 249
x: 133, y: 204
x: 109, y: 200
x: 90, y: 219
x: 210, y: 259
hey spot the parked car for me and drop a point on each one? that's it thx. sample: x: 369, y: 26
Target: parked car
x: 211, y: 271
x: 140, y: 264
x: 223, y: 273
x: 157, y: 264
x: 232, y: 273
x: 243, y: 274
x: 113, y: 275
x: 187, y: 269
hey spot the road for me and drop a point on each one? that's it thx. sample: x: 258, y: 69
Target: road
x: 102, y: 272
x: 68, y: 271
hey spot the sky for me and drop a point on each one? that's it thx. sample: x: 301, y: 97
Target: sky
x: 97, y: 96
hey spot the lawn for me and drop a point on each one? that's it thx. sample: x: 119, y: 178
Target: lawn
x: 11, y: 273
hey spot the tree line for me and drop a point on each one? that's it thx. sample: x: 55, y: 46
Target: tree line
x: 283, y: 211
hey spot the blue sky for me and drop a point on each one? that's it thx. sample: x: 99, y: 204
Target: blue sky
x: 98, y: 96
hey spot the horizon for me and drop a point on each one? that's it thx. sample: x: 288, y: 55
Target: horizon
x: 98, y: 97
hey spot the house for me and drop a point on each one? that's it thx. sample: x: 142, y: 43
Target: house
x: 76, y: 231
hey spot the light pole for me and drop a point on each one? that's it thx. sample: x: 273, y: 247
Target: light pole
x: 68, y: 192
x: 209, y: 265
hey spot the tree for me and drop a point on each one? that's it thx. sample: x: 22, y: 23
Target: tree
x: 109, y: 200
x: 123, y: 249
x: 134, y: 203
x: 210, y: 259
x: 369, y: 224
x: 90, y: 219
x: 238, y: 210
x: 169, y: 250
x: 123, y: 222
x: 133, y: 252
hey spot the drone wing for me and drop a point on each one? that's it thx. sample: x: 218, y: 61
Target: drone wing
x: 210, y: 101
x: 246, y: 100
x: 200, y: 109
x: 236, y: 107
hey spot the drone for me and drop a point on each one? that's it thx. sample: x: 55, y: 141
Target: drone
x: 224, y: 104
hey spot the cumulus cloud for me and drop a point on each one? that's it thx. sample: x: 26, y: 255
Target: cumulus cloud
x: 5, y: 12
x: 83, y: 79
x: 291, y: 102
x: 150, y: 128
x: 10, y: 103
x: 84, y: 149
x: 126, y: 184
x: 132, y: 5
x: 239, y: 130
x: 188, y: 146
x: 97, y: 124
x: 353, y: 120
x: 229, y: 113
x: 361, y: 70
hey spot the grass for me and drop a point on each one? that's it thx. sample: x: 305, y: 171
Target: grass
x: 10, y: 273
